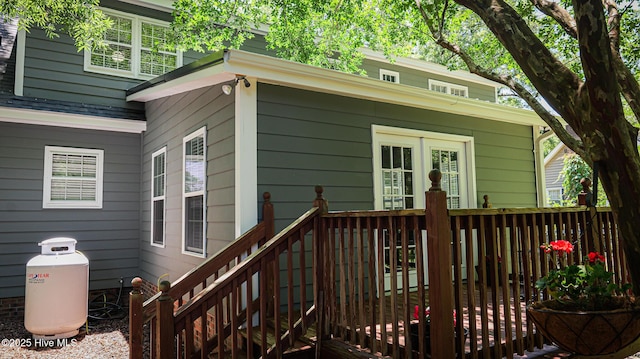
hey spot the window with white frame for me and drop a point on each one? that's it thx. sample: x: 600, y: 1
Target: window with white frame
x: 158, y: 188
x: 194, y: 179
x: 448, y: 88
x: 136, y: 47
x: 389, y: 76
x: 554, y: 195
x: 72, y: 177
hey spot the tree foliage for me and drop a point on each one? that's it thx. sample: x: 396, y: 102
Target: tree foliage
x: 81, y: 19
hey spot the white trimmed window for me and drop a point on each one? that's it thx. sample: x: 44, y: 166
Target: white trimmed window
x: 136, y: 47
x: 554, y: 195
x: 193, y: 207
x: 389, y: 76
x: 72, y: 177
x: 158, y: 188
x: 448, y: 88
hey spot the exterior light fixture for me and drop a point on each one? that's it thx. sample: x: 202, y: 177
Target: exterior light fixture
x: 226, y: 89
x: 228, y: 86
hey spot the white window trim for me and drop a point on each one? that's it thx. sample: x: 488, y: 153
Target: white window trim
x: 390, y: 73
x: 200, y: 132
x: 449, y: 87
x: 46, y: 190
x: 136, y: 46
x: 378, y: 130
x: 163, y: 150
x: 549, y: 199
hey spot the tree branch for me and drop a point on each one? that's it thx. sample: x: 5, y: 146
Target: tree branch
x: 629, y: 87
x: 559, y: 14
x: 504, y: 79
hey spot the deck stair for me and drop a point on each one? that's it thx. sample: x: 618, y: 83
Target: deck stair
x: 303, y: 347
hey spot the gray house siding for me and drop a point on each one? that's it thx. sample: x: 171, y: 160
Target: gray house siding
x: 168, y: 121
x: 307, y: 138
x: 413, y: 77
x: 54, y: 68
x: 107, y: 236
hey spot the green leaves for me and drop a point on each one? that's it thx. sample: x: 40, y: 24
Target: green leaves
x: 586, y: 286
x: 81, y: 19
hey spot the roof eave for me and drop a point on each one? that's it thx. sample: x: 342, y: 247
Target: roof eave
x: 276, y: 71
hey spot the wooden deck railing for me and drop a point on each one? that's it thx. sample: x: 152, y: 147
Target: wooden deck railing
x: 368, y: 274
x: 493, y: 259
x: 186, y: 287
x: 514, y: 236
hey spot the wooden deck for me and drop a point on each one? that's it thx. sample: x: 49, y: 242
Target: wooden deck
x: 493, y: 325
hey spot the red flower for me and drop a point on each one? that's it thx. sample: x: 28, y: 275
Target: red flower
x: 562, y: 246
x: 595, y: 257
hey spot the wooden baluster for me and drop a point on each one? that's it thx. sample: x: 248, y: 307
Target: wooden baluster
x: 136, y: 298
x: 164, y: 313
x: 440, y: 278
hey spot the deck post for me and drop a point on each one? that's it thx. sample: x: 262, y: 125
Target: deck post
x: 585, y: 198
x: 320, y: 268
x: 267, y: 216
x: 440, y: 277
x: 164, y: 329
x: 136, y: 299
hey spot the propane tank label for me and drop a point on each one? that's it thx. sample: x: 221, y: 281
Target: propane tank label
x: 36, y: 278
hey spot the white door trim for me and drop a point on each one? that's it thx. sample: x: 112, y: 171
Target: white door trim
x: 468, y: 141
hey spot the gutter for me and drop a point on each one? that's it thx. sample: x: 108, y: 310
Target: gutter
x: 201, y: 64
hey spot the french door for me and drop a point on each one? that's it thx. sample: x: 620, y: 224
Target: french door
x: 401, y: 166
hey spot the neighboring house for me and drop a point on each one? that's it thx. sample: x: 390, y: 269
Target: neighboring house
x: 172, y: 168
x: 553, y: 177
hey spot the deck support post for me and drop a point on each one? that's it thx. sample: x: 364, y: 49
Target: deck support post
x: 440, y: 277
x: 320, y: 262
x: 136, y: 320
x: 164, y: 335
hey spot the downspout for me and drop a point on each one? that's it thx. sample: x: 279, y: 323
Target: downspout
x: 18, y: 87
x: 538, y: 155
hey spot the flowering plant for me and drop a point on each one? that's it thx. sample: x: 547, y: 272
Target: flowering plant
x: 580, y: 287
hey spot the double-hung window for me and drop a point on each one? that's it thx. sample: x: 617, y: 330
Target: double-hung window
x: 193, y: 207
x: 158, y: 188
x: 137, y: 47
x: 448, y: 88
x: 72, y: 177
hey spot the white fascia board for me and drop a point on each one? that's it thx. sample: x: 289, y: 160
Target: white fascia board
x: 292, y: 74
x: 276, y: 71
x: 162, y: 5
x: 69, y: 120
x: 431, y: 67
x: 195, y: 80
x: 559, y: 147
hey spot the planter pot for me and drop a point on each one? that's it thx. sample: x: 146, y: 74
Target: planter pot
x: 588, y: 333
x: 415, y: 344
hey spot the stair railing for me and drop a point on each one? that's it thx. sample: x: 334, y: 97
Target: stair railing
x: 185, y: 289
x: 272, y: 266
